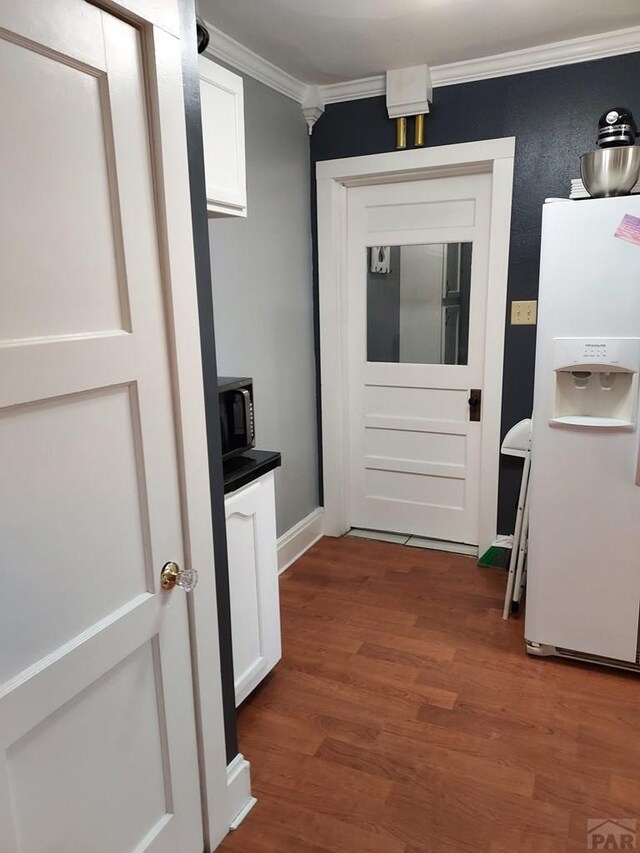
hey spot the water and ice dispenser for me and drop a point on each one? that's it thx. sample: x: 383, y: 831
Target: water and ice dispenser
x: 596, y: 382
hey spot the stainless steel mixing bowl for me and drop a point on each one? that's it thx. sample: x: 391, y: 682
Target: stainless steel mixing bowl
x: 610, y: 171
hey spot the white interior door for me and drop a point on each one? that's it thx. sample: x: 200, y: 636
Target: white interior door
x: 97, y: 734
x: 417, y: 295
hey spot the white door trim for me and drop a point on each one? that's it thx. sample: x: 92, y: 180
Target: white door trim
x: 333, y: 179
x: 159, y: 24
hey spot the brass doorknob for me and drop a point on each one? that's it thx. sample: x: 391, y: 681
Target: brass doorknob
x: 172, y: 575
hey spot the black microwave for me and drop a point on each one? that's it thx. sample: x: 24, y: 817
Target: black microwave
x: 237, y: 426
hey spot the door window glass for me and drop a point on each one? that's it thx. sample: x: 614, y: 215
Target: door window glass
x: 418, y: 303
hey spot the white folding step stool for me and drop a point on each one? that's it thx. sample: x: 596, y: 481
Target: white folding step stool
x: 517, y: 442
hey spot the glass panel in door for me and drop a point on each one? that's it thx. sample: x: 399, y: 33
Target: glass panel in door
x: 418, y: 303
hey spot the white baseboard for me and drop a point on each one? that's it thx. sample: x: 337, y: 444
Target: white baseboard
x: 297, y: 540
x: 239, y: 790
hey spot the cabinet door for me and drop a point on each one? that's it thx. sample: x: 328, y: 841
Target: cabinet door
x: 253, y: 581
x: 222, y: 98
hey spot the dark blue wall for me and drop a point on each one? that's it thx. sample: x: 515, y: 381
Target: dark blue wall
x: 553, y: 115
x: 193, y: 121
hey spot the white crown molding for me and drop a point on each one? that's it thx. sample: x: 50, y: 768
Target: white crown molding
x: 222, y: 46
x: 567, y: 52
x: 355, y: 90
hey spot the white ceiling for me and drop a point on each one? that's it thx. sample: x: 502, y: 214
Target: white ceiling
x: 328, y: 41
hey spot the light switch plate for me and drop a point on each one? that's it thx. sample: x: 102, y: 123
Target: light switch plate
x: 524, y: 313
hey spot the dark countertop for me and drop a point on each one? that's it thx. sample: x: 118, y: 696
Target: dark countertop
x: 244, y: 469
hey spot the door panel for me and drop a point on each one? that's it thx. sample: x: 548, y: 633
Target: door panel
x: 85, y: 744
x: 394, y: 401
x: 417, y: 214
x: 421, y: 488
x: 97, y: 728
x: 416, y: 446
x: 68, y: 264
x: 94, y: 573
x: 253, y: 583
x: 248, y: 648
x: 415, y: 454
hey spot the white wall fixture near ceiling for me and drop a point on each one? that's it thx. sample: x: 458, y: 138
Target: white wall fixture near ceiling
x: 409, y: 93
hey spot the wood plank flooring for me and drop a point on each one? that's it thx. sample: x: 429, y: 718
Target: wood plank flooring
x: 406, y: 717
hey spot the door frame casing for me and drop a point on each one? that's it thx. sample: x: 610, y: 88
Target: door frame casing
x: 222, y: 792
x: 333, y: 180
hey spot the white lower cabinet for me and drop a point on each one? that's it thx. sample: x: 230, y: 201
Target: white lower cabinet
x: 253, y: 583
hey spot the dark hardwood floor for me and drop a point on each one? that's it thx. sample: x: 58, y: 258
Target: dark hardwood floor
x: 406, y: 717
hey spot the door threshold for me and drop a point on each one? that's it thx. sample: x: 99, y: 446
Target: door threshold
x: 442, y: 545
x: 415, y: 541
x: 380, y: 535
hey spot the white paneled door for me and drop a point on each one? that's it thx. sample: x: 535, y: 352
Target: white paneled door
x: 417, y: 294
x: 97, y: 734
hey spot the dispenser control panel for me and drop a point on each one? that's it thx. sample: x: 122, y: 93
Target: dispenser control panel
x: 598, y: 353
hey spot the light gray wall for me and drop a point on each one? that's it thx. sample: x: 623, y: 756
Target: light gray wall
x: 262, y: 295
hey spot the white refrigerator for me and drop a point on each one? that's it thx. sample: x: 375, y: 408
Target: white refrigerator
x: 583, y: 579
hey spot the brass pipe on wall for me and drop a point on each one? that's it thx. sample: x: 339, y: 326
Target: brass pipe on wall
x: 419, y: 131
x: 401, y: 132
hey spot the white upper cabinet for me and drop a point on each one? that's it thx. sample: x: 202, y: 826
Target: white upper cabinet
x: 222, y: 97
